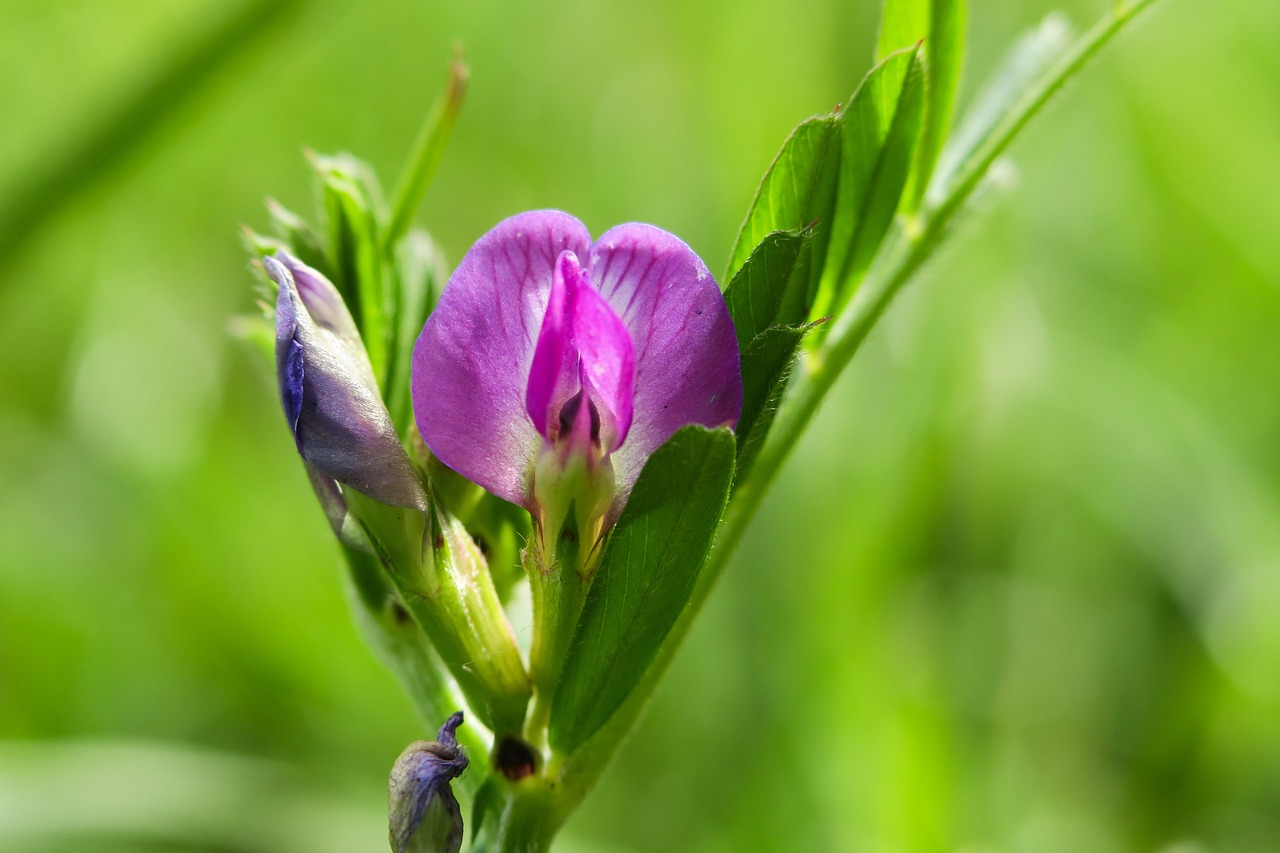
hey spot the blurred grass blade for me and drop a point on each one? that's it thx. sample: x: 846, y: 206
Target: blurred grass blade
x: 940, y: 25
x: 1033, y: 54
x: 881, y: 129
x: 973, y: 168
x: 94, y: 151
x: 434, y: 137
x: 768, y: 300
x: 648, y: 570
x: 903, y: 24
x: 798, y: 190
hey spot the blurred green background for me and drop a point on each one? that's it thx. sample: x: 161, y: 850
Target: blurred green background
x: 1019, y: 590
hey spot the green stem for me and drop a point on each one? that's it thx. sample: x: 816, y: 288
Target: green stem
x: 558, y: 583
x: 531, y: 818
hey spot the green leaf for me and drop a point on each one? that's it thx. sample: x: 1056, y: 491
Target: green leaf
x: 1030, y: 58
x: 352, y: 206
x: 940, y: 25
x: 416, y: 276
x: 768, y: 300
x: 771, y: 354
x: 881, y: 128
x: 798, y: 190
x: 646, y: 575
x: 770, y: 288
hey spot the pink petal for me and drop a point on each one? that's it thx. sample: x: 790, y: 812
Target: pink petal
x: 607, y: 360
x: 472, y: 362
x: 685, y: 350
x: 583, y: 346
x: 554, y: 376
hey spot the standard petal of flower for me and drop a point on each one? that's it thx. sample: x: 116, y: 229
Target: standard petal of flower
x: 331, y: 401
x: 686, y: 352
x: 472, y: 363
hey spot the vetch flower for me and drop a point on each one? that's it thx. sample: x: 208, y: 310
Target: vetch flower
x: 553, y: 367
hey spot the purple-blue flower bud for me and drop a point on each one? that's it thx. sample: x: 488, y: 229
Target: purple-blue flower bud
x: 424, y: 813
x: 330, y: 396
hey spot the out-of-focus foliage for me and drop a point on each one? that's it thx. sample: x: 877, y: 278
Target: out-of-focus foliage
x: 1016, y: 591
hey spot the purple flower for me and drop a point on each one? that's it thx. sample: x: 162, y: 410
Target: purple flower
x: 547, y: 350
x: 330, y: 397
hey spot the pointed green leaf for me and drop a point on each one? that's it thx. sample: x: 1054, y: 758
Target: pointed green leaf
x: 769, y: 289
x: 768, y: 300
x: 881, y: 128
x: 646, y: 575
x: 940, y: 25
x: 771, y: 354
x: 353, y: 211
x: 433, y: 138
x: 797, y: 191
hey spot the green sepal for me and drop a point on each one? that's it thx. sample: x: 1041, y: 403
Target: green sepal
x: 650, y: 563
x: 441, y: 579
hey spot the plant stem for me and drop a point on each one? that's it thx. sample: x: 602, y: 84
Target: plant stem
x: 530, y: 820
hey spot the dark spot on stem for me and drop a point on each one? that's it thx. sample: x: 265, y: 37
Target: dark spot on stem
x: 514, y: 758
x: 398, y: 613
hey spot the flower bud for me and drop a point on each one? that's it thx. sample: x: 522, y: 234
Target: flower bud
x: 330, y: 397
x: 424, y: 814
